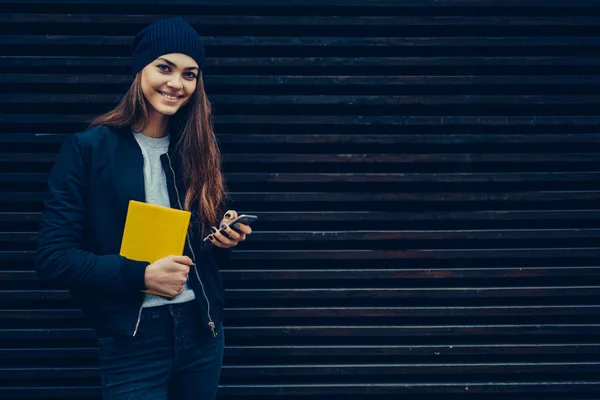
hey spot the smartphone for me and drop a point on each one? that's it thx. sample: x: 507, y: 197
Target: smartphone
x: 245, y: 219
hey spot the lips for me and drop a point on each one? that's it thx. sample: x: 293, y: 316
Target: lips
x: 169, y: 96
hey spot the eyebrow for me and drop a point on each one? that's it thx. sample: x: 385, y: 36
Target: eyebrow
x: 171, y: 63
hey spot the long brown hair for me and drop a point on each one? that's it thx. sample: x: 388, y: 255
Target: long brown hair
x: 197, y: 146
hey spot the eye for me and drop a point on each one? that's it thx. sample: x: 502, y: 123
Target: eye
x: 190, y: 75
x: 164, y: 68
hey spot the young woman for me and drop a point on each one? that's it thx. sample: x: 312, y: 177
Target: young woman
x: 156, y: 146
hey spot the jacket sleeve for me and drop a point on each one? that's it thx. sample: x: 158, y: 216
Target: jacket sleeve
x: 60, y: 258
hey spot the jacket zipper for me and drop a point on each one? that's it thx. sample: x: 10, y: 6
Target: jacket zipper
x: 137, y: 324
x: 139, y: 318
x: 211, y: 324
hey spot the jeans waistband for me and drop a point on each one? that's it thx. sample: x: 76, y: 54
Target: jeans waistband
x: 168, y: 310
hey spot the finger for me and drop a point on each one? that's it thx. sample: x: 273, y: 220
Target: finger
x: 243, y: 228
x: 215, y: 242
x: 230, y: 215
x: 184, y: 273
x: 230, y: 232
x: 180, y: 268
x: 183, y: 260
x: 221, y: 238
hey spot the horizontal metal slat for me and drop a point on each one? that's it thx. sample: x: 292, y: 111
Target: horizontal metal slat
x: 427, y: 254
x: 324, y: 139
x: 362, y: 293
x: 303, y: 41
x: 391, y: 216
x: 303, y: 313
x: 403, y: 255
x: 413, y: 293
x: 354, y: 235
x: 312, y: 21
x: 517, y: 388
x: 275, y: 351
x: 477, y: 4
x: 332, y: 120
x: 361, y: 82
x: 347, y: 371
x: 266, y: 158
x: 307, y: 62
x: 325, y: 389
x: 256, y: 177
x: 435, y: 197
x: 332, y: 100
x: 336, y: 275
x: 326, y: 332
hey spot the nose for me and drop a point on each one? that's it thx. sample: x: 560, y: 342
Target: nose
x: 175, y: 83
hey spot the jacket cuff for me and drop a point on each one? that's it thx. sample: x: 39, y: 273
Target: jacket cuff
x: 134, y: 273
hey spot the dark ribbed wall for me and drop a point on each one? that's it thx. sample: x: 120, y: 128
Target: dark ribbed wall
x: 426, y: 176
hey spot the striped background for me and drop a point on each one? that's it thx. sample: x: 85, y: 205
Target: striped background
x: 425, y: 172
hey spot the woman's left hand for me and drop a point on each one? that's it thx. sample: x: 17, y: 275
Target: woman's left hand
x: 233, y: 235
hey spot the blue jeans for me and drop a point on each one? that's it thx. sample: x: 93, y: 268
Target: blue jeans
x: 171, y: 357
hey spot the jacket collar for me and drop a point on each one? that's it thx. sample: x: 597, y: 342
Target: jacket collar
x: 126, y: 130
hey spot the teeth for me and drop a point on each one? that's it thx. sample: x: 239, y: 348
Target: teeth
x: 168, y: 97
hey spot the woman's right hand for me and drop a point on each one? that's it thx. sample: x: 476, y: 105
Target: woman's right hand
x: 168, y: 275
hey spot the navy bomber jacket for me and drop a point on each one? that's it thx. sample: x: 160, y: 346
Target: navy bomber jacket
x: 96, y: 174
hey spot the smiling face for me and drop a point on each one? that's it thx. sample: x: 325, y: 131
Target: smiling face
x: 169, y: 82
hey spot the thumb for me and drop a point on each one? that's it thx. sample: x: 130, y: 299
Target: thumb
x: 230, y: 215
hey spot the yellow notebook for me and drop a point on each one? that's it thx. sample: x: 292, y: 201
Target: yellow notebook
x: 153, y: 232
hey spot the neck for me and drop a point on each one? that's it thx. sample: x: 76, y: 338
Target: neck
x: 156, y: 125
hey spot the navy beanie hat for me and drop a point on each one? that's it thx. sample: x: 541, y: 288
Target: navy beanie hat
x: 172, y: 35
